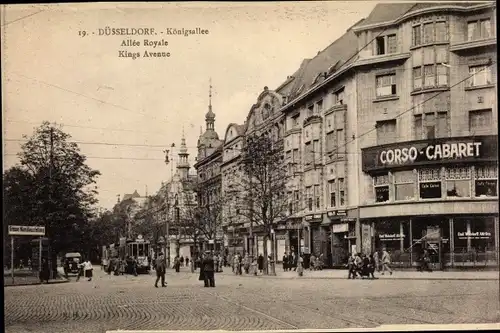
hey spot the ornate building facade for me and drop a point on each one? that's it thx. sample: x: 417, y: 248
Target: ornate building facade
x: 429, y: 176
x: 179, y: 200
x: 209, y: 184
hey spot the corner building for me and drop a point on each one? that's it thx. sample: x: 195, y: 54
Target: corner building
x: 427, y: 129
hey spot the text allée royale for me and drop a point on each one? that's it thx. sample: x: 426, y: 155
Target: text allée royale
x: 147, y: 54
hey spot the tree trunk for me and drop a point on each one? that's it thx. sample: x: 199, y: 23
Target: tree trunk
x: 266, y: 261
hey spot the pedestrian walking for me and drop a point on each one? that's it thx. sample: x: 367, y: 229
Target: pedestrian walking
x: 312, y: 262
x: 187, y: 261
x: 181, y: 260
x: 285, y: 262
x: 376, y: 261
x: 160, y: 268
x: 208, y: 271
x: 88, y: 269
x: 321, y: 260
x: 44, y: 271
x: 260, y: 263
x: 351, y: 266
x: 300, y: 266
x: 386, y: 262
x: 177, y: 264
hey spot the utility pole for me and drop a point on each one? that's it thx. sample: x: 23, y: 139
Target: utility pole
x: 51, y: 163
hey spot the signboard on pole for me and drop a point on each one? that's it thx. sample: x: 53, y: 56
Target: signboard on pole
x: 22, y: 230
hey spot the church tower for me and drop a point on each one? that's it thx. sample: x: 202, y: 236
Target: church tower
x: 183, y: 165
x: 209, y: 140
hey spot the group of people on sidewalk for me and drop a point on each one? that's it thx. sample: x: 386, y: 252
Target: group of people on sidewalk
x: 208, y: 264
x: 366, y: 265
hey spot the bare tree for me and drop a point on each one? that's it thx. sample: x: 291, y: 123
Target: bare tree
x: 203, y: 222
x: 147, y: 221
x: 261, y: 192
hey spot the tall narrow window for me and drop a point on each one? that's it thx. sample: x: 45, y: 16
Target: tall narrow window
x: 330, y: 141
x: 317, y: 196
x: 429, y: 76
x: 391, y: 44
x: 417, y: 78
x: 442, y: 124
x: 309, y: 153
x: 380, y: 43
x: 442, y: 75
x: 296, y: 200
x: 332, y: 186
x: 381, y: 188
x: 338, y: 97
x: 417, y: 35
x: 428, y: 33
x: 310, y: 110
x: 319, y: 106
x: 418, y: 126
x: 316, y: 152
x: 430, y: 125
x: 341, y: 192
x: 441, y: 32
x: 341, y: 149
x: 386, y: 85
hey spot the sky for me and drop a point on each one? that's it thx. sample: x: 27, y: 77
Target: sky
x: 50, y: 72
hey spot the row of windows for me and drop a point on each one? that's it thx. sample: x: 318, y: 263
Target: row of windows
x: 434, y: 30
x: 457, y: 182
x: 432, y: 125
x: 337, y: 98
x: 432, y: 76
x: 313, y: 196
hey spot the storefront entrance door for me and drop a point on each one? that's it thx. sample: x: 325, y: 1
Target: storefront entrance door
x: 340, y: 248
x: 433, y: 246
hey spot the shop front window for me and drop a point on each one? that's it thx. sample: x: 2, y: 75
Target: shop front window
x: 475, y: 242
x: 431, y: 235
x: 388, y: 236
x: 458, y: 182
x: 486, y: 181
x: 429, y: 181
x: 381, y: 188
x: 404, y: 185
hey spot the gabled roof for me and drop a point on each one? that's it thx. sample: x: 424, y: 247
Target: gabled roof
x: 387, y: 12
x: 240, y: 129
x: 131, y: 196
x: 339, y: 53
x: 384, y: 12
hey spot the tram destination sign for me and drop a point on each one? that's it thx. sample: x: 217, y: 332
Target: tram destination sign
x: 435, y: 151
x: 24, y: 230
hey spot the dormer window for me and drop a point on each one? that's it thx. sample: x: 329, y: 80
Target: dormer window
x: 386, y: 44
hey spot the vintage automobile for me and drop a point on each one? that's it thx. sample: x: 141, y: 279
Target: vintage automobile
x: 71, y: 262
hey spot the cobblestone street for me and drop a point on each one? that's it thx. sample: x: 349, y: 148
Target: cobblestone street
x: 244, y: 303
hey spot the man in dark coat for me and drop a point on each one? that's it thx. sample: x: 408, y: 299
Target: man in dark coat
x: 260, y: 262
x: 208, y: 270
x: 285, y: 262
x: 44, y: 271
x: 160, y: 267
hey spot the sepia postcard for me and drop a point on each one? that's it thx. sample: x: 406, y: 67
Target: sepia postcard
x: 307, y: 166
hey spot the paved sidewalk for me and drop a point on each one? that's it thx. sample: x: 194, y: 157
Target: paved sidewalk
x: 397, y: 275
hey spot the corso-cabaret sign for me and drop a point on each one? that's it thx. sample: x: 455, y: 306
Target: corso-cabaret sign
x: 430, y: 151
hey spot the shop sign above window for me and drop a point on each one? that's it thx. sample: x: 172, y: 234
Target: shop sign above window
x: 474, y: 235
x: 390, y: 237
x: 440, y: 150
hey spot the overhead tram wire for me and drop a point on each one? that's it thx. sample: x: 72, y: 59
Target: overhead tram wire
x: 137, y: 112
x: 348, y: 142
